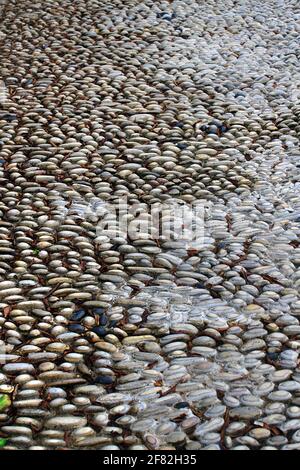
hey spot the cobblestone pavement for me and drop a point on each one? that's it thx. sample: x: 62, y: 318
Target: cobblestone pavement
x: 108, y: 341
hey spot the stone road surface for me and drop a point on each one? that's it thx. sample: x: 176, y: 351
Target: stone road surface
x: 108, y: 341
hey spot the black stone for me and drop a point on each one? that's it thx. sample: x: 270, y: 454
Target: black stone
x: 200, y: 285
x: 78, y: 315
x: 223, y: 128
x: 273, y: 356
x: 76, y: 328
x: 9, y: 117
x: 179, y: 124
x: 99, y: 330
x: 222, y: 245
x: 182, y: 404
x: 104, y: 380
x: 98, y: 310
x: 103, y: 320
x: 182, y: 146
x: 240, y: 93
